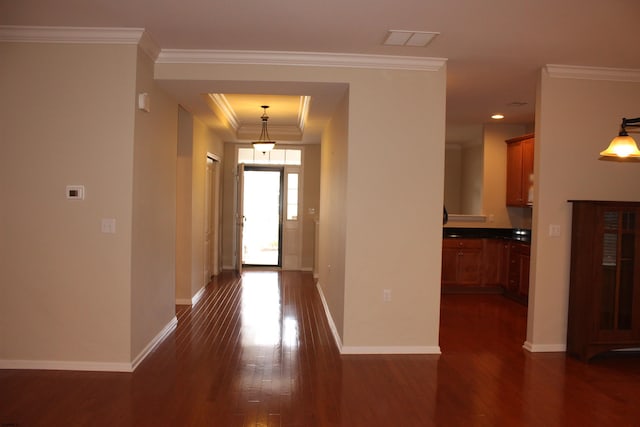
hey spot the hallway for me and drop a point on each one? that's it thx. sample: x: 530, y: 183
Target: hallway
x: 258, y: 352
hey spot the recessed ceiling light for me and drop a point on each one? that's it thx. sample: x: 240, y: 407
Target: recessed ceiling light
x: 497, y: 116
x: 409, y: 38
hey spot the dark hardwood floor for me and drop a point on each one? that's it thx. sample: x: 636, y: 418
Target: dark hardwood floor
x: 258, y: 352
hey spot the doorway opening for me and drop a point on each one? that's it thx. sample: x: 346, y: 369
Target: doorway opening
x: 262, y: 216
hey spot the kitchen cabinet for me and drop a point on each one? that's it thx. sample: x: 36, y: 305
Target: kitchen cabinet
x: 462, y: 262
x: 493, y: 262
x: 517, y: 283
x: 520, y: 170
x: 604, y: 294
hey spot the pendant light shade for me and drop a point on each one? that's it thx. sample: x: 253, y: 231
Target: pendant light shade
x: 623, y: 147
x: 264, y: 143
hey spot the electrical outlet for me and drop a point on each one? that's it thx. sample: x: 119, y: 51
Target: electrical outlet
x: 386, y: 295
x: 554, y: 230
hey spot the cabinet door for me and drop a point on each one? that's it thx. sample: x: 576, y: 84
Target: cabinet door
x: 492, y: 262
x: 523, y: 286
x: 617, y: 310
x: 469, y: 266
x: 461, y: 261
x: 514, y: 174
x: 527, y: 170
x: 449, y: 265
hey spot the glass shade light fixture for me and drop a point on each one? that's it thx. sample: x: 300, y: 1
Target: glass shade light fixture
x: 623, y: 147
x: 264, y: 143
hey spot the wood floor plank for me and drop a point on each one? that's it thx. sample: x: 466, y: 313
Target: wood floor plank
x: 258, y: 351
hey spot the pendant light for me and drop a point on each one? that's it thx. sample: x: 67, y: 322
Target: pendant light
x: 264, y: 143
x: 623, y: 147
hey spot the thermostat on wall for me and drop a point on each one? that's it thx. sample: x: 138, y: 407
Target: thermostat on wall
x: 75, y: 192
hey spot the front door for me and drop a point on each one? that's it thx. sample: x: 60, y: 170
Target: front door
x: 262, y: 212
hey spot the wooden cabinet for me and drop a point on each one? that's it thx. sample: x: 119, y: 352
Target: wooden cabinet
x: 461, y: 261
x: 517, y: 283
x: 604, y: 295
x: 493, y: 262
x: 519, y: 170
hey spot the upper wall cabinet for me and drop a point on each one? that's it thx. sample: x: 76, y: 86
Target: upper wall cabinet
x: 520, y: 170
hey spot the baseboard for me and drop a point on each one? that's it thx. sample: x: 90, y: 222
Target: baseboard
x: 154, y: 343
x: 198, y: 295
x: 391, y: 350
x: 194, y: 299
x: 544, y: 348
x: 57, y: 365
x: 332, y: 325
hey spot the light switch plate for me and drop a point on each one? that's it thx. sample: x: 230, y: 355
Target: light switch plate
x: 108, y: 225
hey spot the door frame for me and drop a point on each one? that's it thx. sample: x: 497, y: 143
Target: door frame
x: 281, y: 201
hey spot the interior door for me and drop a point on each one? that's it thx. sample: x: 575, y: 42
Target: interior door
x: 239, y: 216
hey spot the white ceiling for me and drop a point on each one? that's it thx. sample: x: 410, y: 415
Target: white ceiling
x: 494, y: 48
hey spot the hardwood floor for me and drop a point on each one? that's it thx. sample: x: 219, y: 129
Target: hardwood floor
x: 258, y: 352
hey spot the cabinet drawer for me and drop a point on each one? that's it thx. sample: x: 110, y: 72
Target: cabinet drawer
x: 453, y: 243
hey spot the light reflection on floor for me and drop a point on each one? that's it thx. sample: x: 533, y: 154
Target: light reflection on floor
x: 269, y: 338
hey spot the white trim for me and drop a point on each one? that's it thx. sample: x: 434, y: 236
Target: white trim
x: 99, y: 35
x: 60, y: 365
x: 332, y: 325
x: 391, y: 350
x: 318, y: 59
x: 80, y: 35
x: 466, y: 218
x: 154, y: 343
x: 193, y: 300
x: 370, y: 350
x: 222, y: 102
x: 198, y: 295
x: 593, y: 73
x: 544, y: 348
x: 56, y: 365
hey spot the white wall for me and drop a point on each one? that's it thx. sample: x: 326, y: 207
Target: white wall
x: 67, y: 116
x: 333, y: 215
x: 382, y: 181
x: 576, y: 119
x: 195, y: 142
x: 153, y: 260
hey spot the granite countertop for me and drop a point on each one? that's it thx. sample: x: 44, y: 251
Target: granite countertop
x: 519, y: 234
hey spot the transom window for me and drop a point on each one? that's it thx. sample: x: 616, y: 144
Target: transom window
x: 285, y: 156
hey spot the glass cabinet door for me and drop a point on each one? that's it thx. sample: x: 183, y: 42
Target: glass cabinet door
x: 617, y: 270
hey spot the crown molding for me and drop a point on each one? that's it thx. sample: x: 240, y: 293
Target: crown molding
x: 303, y: 112
x: 80, y: 35
x: 223, y: 104
x: 317, y: 59
x: 593, y: 73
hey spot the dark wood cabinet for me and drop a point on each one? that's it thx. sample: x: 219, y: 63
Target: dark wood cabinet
x: 604, y: 295
x: 462, y: 262
x: 519, y: 170
x: 517, y: 283
x: 493, y: 262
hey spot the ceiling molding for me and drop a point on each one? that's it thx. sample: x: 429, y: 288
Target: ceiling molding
x: 250, y: 132
x: 593, y: 73
x: 80, y: 35
x: 303, y: 112
x: 223, y: 104
x: 343, y: 60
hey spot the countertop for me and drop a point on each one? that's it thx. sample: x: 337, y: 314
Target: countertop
x: 517, y: 234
